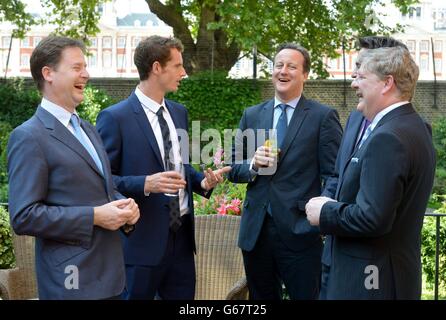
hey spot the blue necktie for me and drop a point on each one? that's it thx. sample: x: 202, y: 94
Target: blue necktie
x: 282, y: 125
x: 78, y: 133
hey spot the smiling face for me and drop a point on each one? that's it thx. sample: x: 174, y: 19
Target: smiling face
x: 66, y: 82
x: 369, y: 90
x: 288, y: 74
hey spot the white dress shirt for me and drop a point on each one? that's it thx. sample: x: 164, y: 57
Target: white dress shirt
x: 151, y: 107
x: 64, y: 117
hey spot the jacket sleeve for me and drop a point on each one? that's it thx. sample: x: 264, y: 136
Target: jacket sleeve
x: 111, y: 134
x: 28, y: 185
x: 383, y: 176
x: 329, y: 140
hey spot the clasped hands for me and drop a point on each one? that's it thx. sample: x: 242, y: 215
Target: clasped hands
x: 313, y: 209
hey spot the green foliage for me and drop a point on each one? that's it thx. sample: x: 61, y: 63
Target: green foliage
x: 229, y: 27
x: 73, y: 18
x: 428, y: 251
x: 7, y: 259
x: 14, y: 12
x: 222, y: 200
x: 94, y: 101
x: 321, y: 26
x: 17, y: 103
x: 5, y: 130
x: 215, y: 100
x: 439, y: 138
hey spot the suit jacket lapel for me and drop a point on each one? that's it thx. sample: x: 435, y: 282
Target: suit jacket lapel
x: 266, y: 120
x: 96, y: 144
x: 355, y: 127
x: 59, y: 132
x: 296, y: 121
x: 402, y: 110
x: 141, y: 119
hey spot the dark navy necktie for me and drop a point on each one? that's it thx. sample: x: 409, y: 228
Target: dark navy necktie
x: 174, y: 203
x: 282, y: 125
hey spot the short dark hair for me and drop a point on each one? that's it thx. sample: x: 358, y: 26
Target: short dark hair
x: 374, y: 42
x: 151, y: 49
x: 302, y: 50
x: 48, y: 54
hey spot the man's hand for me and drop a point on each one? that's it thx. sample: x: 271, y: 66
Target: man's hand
x: 213, y: 177
x: 164, y: 182
x: 113, y: 215
x: 133, y: 206
x: 264, y: 157
x: 313, y: 209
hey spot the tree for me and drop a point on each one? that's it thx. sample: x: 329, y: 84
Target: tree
x: 14, y: 11
x: 73, y: 18
x: 214, y: 32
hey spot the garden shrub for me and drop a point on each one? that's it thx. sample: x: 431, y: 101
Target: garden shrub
x: 7, y: 259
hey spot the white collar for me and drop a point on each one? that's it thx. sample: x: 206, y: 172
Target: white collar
x: 57, y: 111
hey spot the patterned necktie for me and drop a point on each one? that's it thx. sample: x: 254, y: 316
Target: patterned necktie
x: 75, y: 122
x: 367, y: 129
x: 174, y: 203
x: 282, y: 125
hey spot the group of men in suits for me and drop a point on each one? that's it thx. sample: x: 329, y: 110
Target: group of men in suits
x: 62, y: 181
x: 368, y: 199
x: 373, y: 185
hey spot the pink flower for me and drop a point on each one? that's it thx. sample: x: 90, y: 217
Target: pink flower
x: 222, y: 209
x: 218, y: 158
x: 236, y: 202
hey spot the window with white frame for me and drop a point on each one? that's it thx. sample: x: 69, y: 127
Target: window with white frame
x: 424, y: 63
x: 93, y: 60
x: 24, y: 60
x: 93, y: 43
x: 25, y: 42
x: 424, y: 46
x: 438, y: 65
x: 107, y: 59
x: 5, y: 42
x: 121, y: 42
x: 4, y: 58
x: 438, y: 46
x: 107, y: 42
x: 410, y: 45
x: 36, y: 41
x: 121, y: 61
x: 135, y: 41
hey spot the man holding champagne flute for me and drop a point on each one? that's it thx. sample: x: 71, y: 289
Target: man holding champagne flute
x: 294, y: 164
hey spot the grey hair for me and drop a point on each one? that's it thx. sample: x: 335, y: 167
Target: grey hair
x: 396, y: 62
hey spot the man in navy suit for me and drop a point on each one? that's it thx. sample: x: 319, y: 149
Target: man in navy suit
x: 354, y: 129
x: 60, y: 186
x: 277, y: 242
x: 141, y: 136
x: 377, y: 216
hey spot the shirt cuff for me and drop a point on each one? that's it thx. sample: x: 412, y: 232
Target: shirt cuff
x: 253, y: 171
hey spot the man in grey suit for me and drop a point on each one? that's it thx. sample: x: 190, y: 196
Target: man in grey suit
x: 377, y: 216
x: 60, y: 185
x: 277, y: 242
